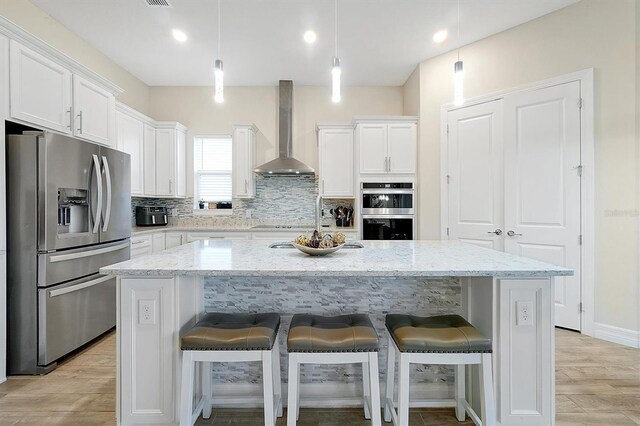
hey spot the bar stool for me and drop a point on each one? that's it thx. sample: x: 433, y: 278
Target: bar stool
x: 444, y: 339
x: 343, y: 339
x: 219, y: 337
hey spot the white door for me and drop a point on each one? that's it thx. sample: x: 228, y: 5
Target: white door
x: 149, y: 150
x: 475, y: 175
x: 130, y: 134
x: 542, y: 186
x: 336, y: 162
x: 402, y: 140
x: 165, y: 162
x: 372, y: 139
x: 40, y: 89
x: 94, y: 110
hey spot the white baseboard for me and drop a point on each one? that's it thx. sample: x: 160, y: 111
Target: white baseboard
x: 618, y: 335
x: 324, y: 395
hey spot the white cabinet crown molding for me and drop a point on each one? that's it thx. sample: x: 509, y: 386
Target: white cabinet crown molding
x: 384, y: 119
x: 17, y: 33
x: 322, y: 126
x: 251, y: 126
x: 126, y: 109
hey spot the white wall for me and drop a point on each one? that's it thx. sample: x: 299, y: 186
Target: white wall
x: 195, y: 108
x: 37, y: 22
x: 591, y: 33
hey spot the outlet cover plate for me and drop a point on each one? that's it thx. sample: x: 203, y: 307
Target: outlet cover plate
x: 525, y: 312
x: 146, y: 312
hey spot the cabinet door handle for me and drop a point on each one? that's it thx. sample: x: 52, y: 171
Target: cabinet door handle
x: 246, y: 186
x: 80, y: 124
x: 70, y: 125
x: 389, y: 165
x: 323, y: 186
x: 170, y: 186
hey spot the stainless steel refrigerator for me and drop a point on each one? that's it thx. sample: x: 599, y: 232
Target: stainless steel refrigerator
x: 68, y: 214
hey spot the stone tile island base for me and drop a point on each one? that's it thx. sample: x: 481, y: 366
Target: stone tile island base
x: 149, y: 356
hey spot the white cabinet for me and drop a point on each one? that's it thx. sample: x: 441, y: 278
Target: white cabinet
x: 3, y: 325
x: 94, y: 109
x: 141, y: 245
x: 149, y: 159
x: 175, y: 239
x: 4, y: 78
x: 130, y: 140
x: 244, y: 147
x: 335, y: 149
x: 388, y: 147
x: 158, y: 242
x: 40, y: 89
x: 171, y: 151
x: 228, y: 235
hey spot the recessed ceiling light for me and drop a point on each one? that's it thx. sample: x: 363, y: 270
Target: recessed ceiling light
x: 440, y: 36
x: 179, y: 35
x: 310, y: 36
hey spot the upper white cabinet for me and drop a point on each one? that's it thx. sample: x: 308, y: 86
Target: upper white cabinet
x: 149, y: 155
x: 336, y: 161
x: 171, y: 152
x: 130, y: 140
x: 387, y: 146
x: 40, y: 90
x: 4, y: 77
x: 94, y: 109
x: 244, y: 148
x: 47, y: 94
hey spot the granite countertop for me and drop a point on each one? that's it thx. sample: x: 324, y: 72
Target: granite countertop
x: 377, y: 258
x: 144, y: 230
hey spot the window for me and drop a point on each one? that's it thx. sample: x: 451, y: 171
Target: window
x: 212, y: 167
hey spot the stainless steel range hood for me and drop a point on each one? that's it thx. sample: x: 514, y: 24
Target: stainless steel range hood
x: 285, y: 164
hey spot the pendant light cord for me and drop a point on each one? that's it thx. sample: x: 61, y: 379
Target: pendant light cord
x: 459, y: 42
x: 335, y: 25
x: 219, y: 29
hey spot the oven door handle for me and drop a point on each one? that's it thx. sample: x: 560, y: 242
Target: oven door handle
x: 383, y: 191
x: 388, y: 216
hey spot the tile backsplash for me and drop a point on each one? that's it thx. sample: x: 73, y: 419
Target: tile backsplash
x: 279, y: 200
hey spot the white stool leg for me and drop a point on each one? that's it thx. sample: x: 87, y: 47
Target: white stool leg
x: 391, y: 366
x: 186, y: 389
x: 206, y: 389
x: 277, y: 381
x: 460, y: 391
x: 374, y: 393
x: 486, y: 396
x: 292, y: 398
x: 403, y: 390
x: 267, y: 388
x: 366, y: 393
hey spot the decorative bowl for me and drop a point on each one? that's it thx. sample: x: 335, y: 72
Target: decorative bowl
x: 317, y: 251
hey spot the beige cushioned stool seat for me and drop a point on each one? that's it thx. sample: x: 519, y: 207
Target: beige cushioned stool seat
x: 344, y: 333
x: 218, y: 331
x: 443, y: 333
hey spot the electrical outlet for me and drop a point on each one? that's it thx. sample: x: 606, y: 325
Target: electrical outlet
x: 248, y: 213
x: 146, y: 312
x: 525, y: 312
x: 174, y: 212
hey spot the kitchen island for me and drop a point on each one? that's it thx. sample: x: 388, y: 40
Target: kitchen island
x: 162, y: 295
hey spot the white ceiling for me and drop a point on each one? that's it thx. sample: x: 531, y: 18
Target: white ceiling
x: 379, y: 41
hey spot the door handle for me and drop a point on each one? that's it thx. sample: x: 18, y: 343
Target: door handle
x: 90, y: 253
x: 96, y: 165
x: 497, y: 232
x: 77, y: 287
x: 513, y: 234
x: 107, y: 214
x: 80, y: 117
x: 246, y: 186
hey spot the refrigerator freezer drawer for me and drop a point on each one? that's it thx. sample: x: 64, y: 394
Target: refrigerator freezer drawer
x: 67, y: 265
x: 73, y: 314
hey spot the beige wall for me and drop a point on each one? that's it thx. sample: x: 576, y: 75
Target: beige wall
x: 592, y: 33
x: 195, y: 108
x: 411, y: 94
x: 43, y: 26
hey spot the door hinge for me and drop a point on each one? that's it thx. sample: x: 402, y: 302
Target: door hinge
x: 579, y: 240
x: 579, y: 170
x: 580, y: 307
x: 580, y: 103
x: 448, y: 179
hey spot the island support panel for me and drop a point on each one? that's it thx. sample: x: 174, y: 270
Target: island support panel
x: 148, y: 338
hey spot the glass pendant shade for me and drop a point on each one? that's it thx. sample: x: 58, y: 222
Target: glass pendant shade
x: 458, y: 82
x: 218, y: 75
x: 335, y: 80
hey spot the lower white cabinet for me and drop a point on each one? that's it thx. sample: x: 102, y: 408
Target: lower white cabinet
x: 158, y: 242
x: 141, y: 245
x: 275, y: 237
x: 175, y: 239
x: 228, y: 235
x: 3, y: 328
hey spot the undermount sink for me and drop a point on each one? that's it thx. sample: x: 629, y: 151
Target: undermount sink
x: 288, y: 245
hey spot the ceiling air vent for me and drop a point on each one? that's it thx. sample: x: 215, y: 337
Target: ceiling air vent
x: 158, y: 3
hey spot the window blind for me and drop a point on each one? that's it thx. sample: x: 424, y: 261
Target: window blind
x: 212, y: 161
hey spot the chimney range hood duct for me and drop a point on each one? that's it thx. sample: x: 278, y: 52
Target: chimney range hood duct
x: 285, y: 164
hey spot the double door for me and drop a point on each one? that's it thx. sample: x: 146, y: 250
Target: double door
x: 514, y: 176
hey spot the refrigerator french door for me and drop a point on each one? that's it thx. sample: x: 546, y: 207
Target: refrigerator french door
x: 68, y: 214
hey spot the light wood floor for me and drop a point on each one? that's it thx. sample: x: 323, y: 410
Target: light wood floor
x: 598, y: 383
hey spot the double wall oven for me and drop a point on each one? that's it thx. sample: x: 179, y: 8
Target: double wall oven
x: 387, y: 210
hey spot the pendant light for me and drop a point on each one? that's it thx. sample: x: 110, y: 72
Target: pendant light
x: 458, y: 72
x: 218, y: 73
x: 335, y: 65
